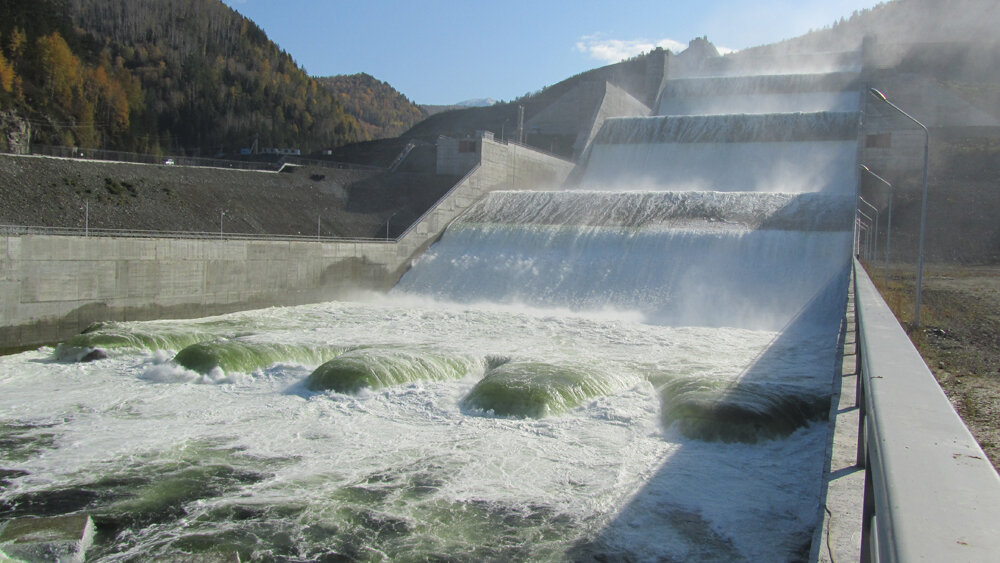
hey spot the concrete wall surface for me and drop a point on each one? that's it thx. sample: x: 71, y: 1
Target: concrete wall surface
x: 52, y: 287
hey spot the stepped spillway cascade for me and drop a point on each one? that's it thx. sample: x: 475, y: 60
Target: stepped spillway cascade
x: 792, y: 153
x: 763, y: 94
x: 679, y: 259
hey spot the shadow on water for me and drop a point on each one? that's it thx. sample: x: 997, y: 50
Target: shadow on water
x: 750, y: 421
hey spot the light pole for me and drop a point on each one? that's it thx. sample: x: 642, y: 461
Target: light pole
x: 86, y: 218
x: 888, y: 227
x: 387, y: 224
x: 875, y: 226
x: 923, y: 202
x: 222, y: 214
x: 868, y: 237
x: 861, y: 249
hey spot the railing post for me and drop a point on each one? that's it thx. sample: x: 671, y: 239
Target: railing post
x: 868, y: 551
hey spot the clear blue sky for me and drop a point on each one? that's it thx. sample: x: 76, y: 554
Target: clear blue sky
x: 446, y: 51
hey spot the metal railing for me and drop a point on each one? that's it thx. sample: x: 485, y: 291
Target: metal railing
x: 931, y: 494
x: 24, y: 230
x: 140, y: 158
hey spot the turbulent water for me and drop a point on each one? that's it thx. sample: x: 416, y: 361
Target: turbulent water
x: 594, y: 375
x: 169, y: 459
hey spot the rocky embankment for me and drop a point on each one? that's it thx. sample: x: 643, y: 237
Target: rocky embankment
x: 54, y: 192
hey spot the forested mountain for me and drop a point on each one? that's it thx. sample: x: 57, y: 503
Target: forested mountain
x: 159, y: 75
x: 379, y: 108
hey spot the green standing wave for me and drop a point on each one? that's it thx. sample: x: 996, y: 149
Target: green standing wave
x: 106, y: 336
x: 375, y: 368
x: 715, y: 411
x: 537, y: 389
x: 233, y: 355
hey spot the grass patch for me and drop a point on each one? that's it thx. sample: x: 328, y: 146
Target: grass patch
x: 117, y: 188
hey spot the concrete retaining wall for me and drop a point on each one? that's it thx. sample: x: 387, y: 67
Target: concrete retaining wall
x: 502, y: 166
x: 51, y: 287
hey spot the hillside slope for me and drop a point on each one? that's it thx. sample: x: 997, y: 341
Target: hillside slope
x: 179, y: 76
x: 382, y: 112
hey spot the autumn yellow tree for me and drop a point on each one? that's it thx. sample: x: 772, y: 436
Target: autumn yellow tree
x: 60, y: 69
x: 6, y: 75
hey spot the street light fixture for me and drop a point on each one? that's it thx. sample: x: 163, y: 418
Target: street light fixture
x: 387, y: 224
x: 222, y: 214
x: 868, y: 237
x: 923, y: 202
x: 888, y: 228
x: 875, y: 209
x: 861, y: 246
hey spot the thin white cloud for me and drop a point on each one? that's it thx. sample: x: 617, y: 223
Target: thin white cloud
x: 614, y: 50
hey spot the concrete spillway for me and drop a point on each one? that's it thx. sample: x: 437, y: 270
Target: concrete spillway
x: 750, y: 260
x: 637, y: 375
x: 801, y: 152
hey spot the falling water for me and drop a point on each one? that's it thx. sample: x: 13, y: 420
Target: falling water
x: 762, y: 94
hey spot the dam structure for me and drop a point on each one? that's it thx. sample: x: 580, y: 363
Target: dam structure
x: 639, y: 366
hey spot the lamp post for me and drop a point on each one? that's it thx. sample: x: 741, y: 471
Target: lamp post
x: 222, y: 214
x: 862, y: 243
x: 923, y: 202
x: 86, y: 218
x: 875, y: 226
x: 888, y: 228
x: 387, y: 225
x: 868, y: 237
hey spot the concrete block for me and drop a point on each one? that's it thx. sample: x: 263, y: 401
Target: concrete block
x: 184, y: 279
x: 95, y: 280
x: 10, y: 296
x: 49, y: 281
x: 59, y: 538
x: 264, y: 250
x: 138, y: 278
x: 136, y: 249
x: 177, y: 249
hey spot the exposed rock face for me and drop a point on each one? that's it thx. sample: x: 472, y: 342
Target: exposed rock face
x: 15, y: 133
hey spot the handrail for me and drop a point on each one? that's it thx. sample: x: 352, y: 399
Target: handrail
x: 931, y: 494
x: 201, y: 162
x: 21, y: 230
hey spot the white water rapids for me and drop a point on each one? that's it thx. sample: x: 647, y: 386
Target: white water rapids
x: 403, y: 473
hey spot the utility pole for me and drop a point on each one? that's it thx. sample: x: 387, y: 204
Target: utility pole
x: 520, y: 124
